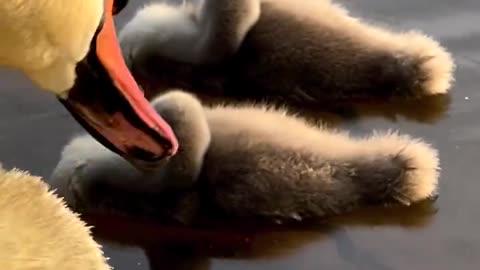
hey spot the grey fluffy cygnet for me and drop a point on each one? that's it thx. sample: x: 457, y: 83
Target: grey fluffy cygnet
x: 250, y: 161
x: 302, y: 52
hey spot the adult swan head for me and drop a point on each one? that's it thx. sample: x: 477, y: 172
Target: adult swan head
x: 70, y: 49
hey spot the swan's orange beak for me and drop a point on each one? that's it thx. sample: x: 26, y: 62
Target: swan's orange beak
x: 109, y: 104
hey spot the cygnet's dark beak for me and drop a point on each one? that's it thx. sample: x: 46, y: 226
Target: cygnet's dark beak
x: 109, y: 104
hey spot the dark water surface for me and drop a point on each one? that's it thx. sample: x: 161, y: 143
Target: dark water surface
x: 34, y: 127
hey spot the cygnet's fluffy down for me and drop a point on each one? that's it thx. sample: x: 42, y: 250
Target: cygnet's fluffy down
x: 249, y: 161
x: 37, y: 230
x: 296, y: 51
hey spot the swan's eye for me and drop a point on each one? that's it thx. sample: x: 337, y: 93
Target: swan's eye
x: 119, y: 5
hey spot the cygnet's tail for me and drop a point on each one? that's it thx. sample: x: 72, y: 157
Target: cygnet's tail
x: 334, y: 177
x: 413, y: 60
x: 425, y: 65
x: 362, y: 59
x: 395, y: 168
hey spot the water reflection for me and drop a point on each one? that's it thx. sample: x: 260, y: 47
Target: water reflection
x: 168, y: 247
x: 426, y: 110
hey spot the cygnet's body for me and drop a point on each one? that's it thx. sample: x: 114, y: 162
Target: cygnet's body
x: 296, y: 51
x: 249, y: 161
x: 38, y: 231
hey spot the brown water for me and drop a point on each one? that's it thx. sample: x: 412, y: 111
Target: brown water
x: 443, y: 235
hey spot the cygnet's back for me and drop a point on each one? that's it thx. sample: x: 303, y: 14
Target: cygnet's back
x: 266, y: 162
